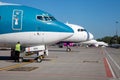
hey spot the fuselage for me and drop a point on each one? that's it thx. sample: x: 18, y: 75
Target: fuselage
x: 30, y: 26
x: 80, y: 34
x: 95, y: 43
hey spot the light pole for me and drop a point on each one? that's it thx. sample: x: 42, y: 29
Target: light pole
x: 116, y: 36
x: 116, y: 28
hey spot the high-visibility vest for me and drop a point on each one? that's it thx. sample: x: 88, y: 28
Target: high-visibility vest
x: 17, y: 47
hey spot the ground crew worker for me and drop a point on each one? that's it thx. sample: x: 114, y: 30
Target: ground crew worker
x: 17, y: 51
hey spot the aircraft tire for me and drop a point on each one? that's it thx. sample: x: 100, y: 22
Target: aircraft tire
x: 68, y: 49
x: 39, y: 59
x: 20, y: 59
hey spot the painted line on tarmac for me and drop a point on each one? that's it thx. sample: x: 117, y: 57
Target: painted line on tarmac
x: 112, y: 60
x: 109, y: 71
x: 14, y: 66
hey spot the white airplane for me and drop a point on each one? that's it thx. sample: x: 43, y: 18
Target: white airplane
x: 29, y: 26
x: 96, y: 43
x: 80, y: 35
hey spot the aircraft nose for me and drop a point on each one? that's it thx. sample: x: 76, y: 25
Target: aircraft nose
x: 91, y: 36
x: 58, y: 31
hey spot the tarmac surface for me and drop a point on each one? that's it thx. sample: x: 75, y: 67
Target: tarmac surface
x: 79, y: 64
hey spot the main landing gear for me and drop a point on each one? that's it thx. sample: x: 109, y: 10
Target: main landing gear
x: 68, y: 49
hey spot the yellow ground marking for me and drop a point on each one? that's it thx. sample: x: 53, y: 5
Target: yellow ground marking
x: 14, y: 66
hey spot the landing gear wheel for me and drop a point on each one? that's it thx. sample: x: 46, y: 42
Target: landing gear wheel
x: 20, y: 59
x: 39, y: 59
x: 68, y: 49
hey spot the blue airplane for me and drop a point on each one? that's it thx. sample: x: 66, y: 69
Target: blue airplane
x: 29, y: 26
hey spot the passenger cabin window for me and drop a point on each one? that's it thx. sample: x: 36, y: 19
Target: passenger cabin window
x: 0, y: 17
x: 46, y: 18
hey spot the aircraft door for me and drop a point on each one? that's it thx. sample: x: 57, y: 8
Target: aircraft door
x: 17, y: 19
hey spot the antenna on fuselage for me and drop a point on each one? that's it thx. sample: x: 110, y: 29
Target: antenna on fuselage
x: 66, y: 22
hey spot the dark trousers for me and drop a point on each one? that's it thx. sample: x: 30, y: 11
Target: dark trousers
x: 17, y: 53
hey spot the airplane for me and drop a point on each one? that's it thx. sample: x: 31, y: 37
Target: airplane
x: 80, y: 35
x: 29, y: 26
x: 96, y: 43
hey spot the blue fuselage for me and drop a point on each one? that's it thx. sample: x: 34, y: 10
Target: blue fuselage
x: 30, y: 26
x: 17, y: 18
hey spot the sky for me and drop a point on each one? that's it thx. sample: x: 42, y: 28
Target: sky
x: 100, y: 17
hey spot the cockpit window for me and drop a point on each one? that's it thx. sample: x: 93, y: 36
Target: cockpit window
x: 52, y: 18
x: 39, y: 17
x: 46, y: 18
x: 80, y: 30
x: 83, y: 29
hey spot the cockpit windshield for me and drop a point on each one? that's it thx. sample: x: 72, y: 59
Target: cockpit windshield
x: 45, y: 18
x: 80, y: 30
x: 39, y: 17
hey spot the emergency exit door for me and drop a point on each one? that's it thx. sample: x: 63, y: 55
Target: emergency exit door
x: 17, y: 19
